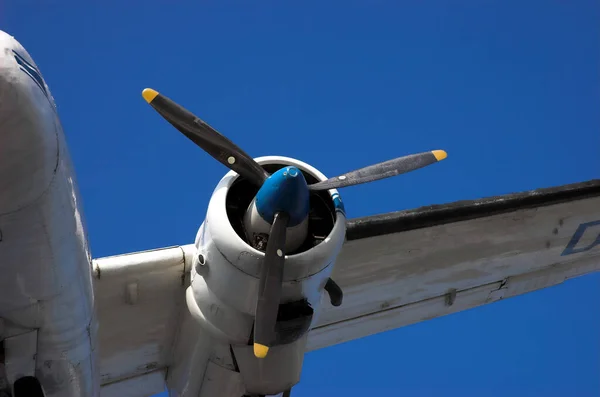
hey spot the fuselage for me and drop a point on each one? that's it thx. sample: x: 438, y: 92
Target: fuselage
x: 46, y: 285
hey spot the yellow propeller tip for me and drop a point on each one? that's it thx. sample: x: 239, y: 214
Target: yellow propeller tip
x: 149, y: 94
x: 439, y: 154
x: 260, y: 351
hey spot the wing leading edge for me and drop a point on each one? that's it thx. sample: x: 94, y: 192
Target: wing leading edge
x: 409, y: 266
x: 395, y: 269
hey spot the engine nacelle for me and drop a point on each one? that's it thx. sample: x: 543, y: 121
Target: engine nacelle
x: 226, y: 271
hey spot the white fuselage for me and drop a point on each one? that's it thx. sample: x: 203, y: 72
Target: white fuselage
x: 46, y: 283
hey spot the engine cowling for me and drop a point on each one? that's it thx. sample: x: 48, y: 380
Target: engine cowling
x: 226, y: 270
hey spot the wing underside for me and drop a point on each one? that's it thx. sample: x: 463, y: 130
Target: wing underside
x: 395, y: 269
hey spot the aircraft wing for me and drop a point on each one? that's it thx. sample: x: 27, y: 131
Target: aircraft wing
x: 395, y: 269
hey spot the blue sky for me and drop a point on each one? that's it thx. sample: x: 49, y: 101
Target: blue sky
x: 510, y: 89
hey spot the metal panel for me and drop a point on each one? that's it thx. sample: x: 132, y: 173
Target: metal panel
x: 141, y: 386
x: 529, y: 247
x: 396, y: 317
x: 139, y: 298
x: 46, y: 282
x: 220, y: 381
x: 401, y: 268
x: 19, y: 355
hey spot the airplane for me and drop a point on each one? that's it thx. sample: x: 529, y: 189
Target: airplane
x: 275, y: 269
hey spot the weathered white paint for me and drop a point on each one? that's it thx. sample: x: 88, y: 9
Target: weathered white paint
x: 220, y: 381
x: 19, y: 355
x: 46, y: 281
x: 401, y: 316
x: 389, y: 281
x: 142, y: 333
x: 398, y: 269
x: 141, y: 386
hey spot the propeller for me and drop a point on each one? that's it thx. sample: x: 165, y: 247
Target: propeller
x: 269, y: 289
x: 230, y: 155
x: 209, y: 139
x: 383, y: 170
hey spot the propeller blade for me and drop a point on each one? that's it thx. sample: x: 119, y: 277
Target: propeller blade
x: 271, y: 277
x: 383, y: 170
x: 209, y: 139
